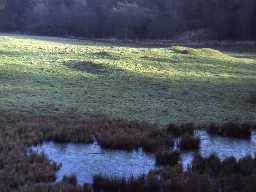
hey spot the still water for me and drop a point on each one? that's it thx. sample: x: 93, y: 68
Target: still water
x: 223, y: 147
x: 87, y: 160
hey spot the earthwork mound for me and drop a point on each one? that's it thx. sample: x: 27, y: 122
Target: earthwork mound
x: 203, y: 52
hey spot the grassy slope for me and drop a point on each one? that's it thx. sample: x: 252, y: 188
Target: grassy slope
x: 156, y: 84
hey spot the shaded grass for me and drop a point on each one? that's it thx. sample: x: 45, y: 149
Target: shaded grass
x: 150, y: 84
x: 252, y: 97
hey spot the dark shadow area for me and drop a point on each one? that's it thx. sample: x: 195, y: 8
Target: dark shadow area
x: 87, y: 66
x: 93, y: 68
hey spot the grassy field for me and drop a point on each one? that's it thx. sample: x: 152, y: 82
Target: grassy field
x: 47, y: 75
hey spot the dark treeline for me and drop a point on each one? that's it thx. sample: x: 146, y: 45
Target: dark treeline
x: 139, y: 19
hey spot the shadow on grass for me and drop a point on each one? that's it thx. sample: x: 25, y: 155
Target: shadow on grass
x: 87, y: 66
x: 94, y: 68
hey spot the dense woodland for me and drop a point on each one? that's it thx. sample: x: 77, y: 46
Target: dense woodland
x: 133, y: 19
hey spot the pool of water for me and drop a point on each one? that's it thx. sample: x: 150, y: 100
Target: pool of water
x: 223, y: 147
x: 87, y: 160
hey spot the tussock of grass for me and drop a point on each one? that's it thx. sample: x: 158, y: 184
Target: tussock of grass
x: 167, y: 158
x: 189, y: 142
x: 136, y: 136
x: 231, y: 129
x: 119, y: 184
x: 206, y: 175
x: 230, y: 166
x: 182, y: 129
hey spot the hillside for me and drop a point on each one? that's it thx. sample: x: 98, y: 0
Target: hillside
x: 47, y: 75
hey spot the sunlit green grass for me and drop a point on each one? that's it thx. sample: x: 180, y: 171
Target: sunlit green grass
x: 37, y: 76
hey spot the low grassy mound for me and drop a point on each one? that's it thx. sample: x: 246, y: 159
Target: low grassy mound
x: 203, y: 52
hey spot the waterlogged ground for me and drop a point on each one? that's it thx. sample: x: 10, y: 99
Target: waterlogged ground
x: 47, y: 75
x: 87, y: 160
